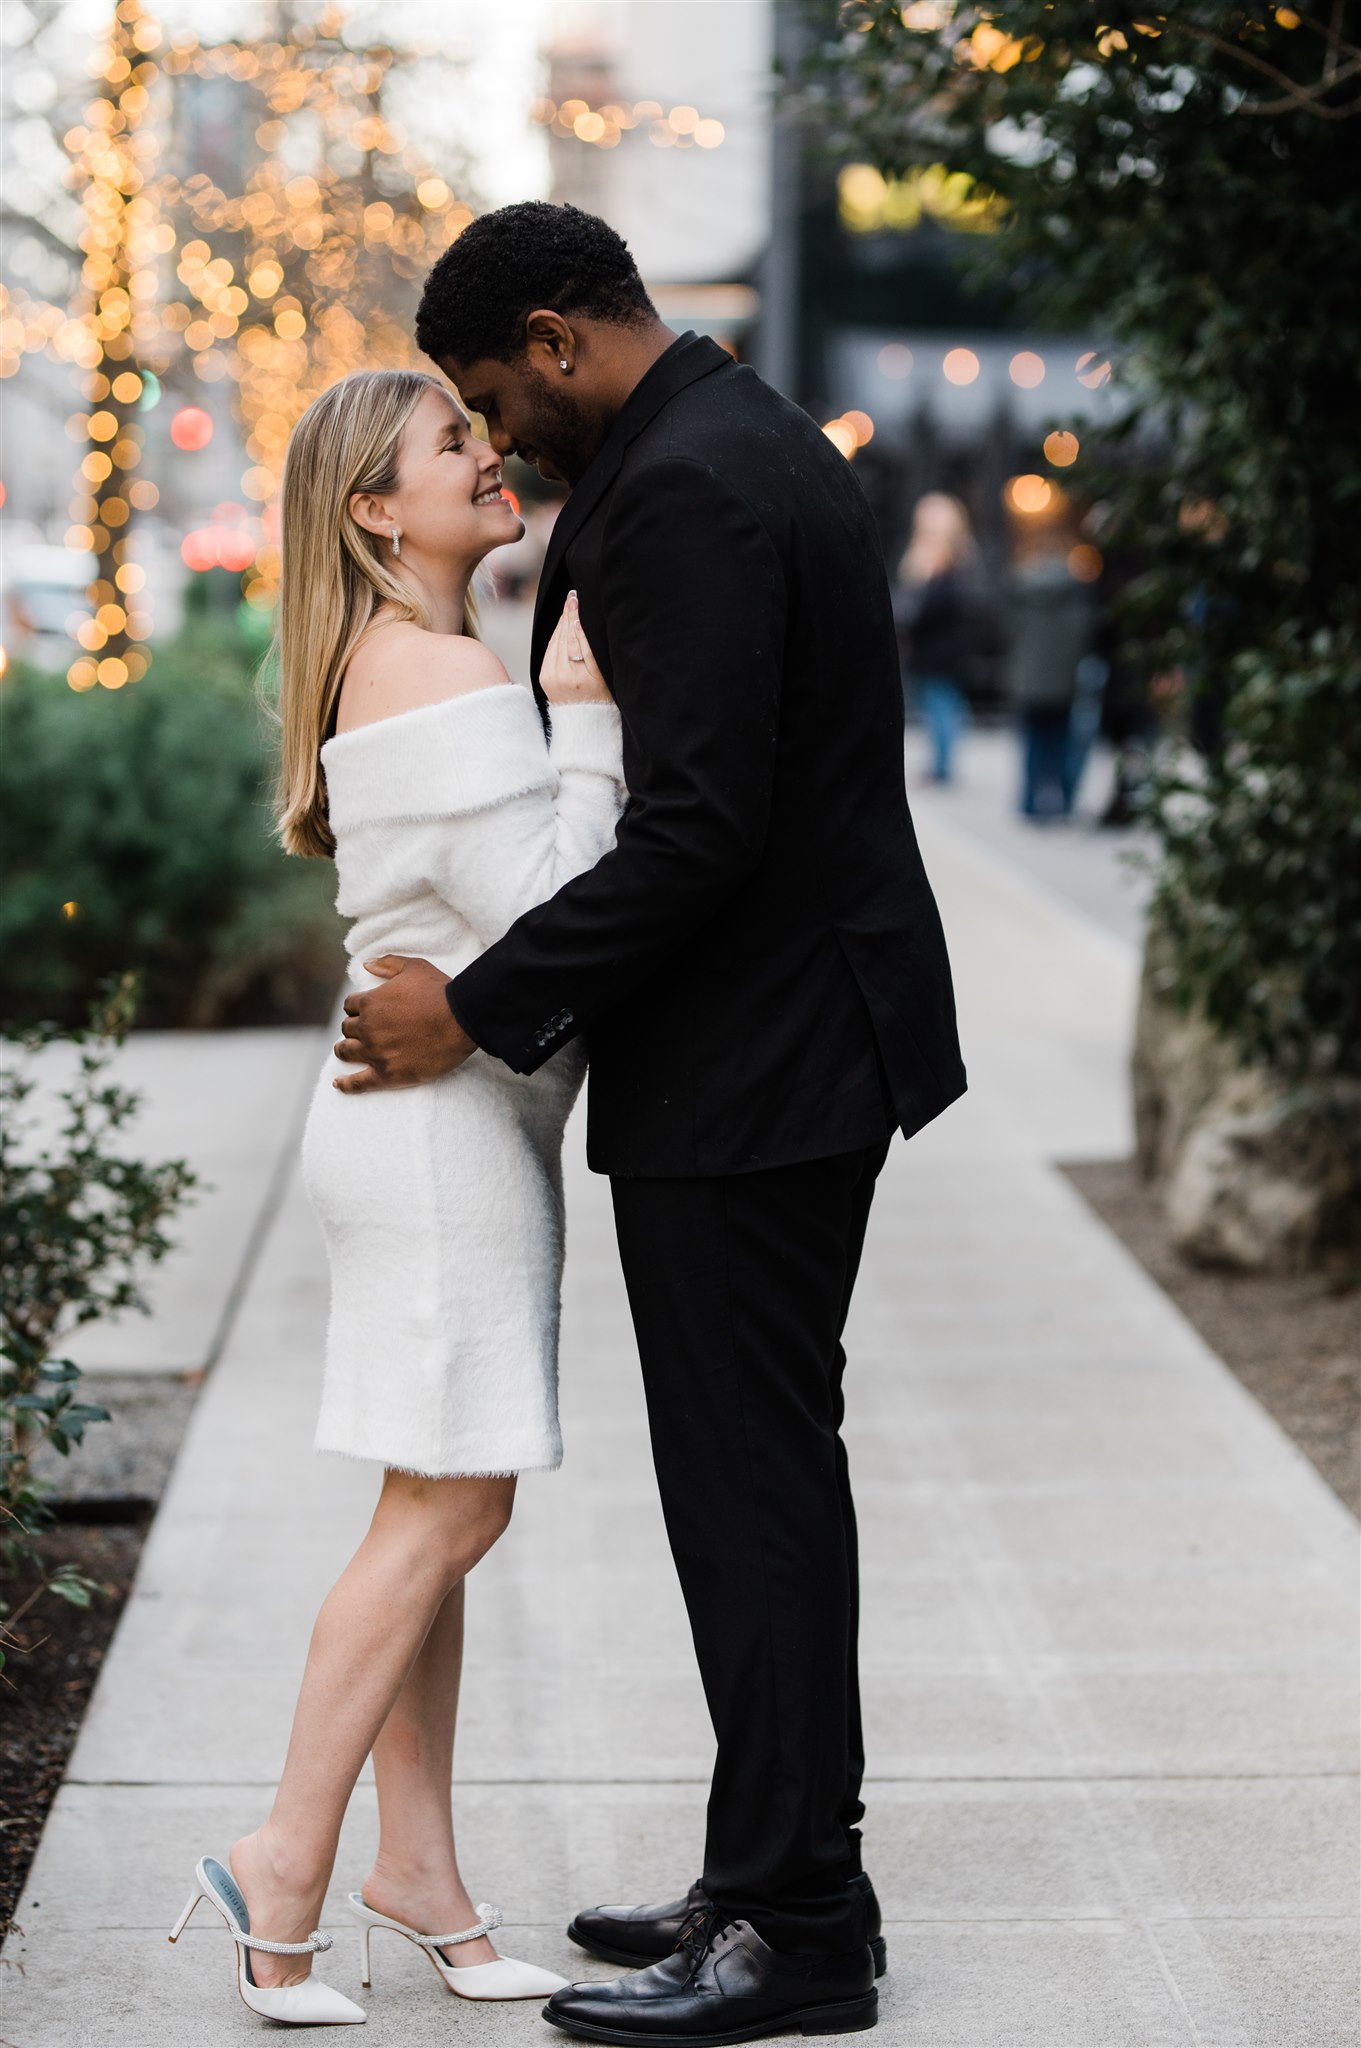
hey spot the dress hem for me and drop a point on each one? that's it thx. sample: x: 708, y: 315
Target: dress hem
x: 425, y: 1472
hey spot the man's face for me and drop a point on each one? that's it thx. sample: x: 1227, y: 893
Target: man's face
x: 528, y: 415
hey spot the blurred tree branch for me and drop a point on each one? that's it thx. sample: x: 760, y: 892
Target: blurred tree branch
x: 1341, y: 62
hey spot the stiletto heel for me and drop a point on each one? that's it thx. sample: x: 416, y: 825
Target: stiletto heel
x: 365, y: 1960
x: 309, y: 2004
x: 183, y: 1921
x: 505, y: 1978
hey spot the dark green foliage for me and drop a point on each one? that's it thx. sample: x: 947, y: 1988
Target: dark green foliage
x: 1184, y: 184
x: 148, y: 810
x: 1261, y: 889
x: 78, y: 1221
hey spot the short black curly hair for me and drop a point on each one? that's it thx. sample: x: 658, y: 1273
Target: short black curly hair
x: 504, y: 264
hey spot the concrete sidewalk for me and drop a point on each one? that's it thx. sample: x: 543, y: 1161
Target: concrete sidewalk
x: 1108, y: 1637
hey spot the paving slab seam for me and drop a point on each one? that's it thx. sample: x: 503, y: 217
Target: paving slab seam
x: 1006, y: 1592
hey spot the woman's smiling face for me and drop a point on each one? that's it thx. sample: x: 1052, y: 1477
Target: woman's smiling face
x: 448, y: 505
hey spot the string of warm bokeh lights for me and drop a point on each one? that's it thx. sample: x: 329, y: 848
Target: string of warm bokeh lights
x: 312, y: 293
x: 113, y: 153
x: 279, y: 288
x: 605, y: 127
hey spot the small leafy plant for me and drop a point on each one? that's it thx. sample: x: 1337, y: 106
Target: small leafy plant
x: 78, y: 1223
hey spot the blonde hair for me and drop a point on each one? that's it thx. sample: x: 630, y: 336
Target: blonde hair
x: 941, y: 538
x: 335, y: 576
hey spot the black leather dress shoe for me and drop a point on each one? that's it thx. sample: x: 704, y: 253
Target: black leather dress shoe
x: 634, y: 1935
x: 722, y: 1984
x: 638, y: 1935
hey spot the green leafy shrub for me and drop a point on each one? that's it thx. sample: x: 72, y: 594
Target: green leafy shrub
x: 135, y: 835
x: 78, y: 1221
x: 1259, y: 892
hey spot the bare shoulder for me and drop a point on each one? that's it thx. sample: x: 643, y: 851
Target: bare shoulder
x: 400, y: 667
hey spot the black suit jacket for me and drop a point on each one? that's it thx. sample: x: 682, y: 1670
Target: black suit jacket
x: 759, y: 959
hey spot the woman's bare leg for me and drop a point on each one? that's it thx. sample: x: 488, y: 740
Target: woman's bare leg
x: 415, y: 1875
x: 425, y: 1536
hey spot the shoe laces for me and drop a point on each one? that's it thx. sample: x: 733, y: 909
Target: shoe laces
x: 699, y: 1930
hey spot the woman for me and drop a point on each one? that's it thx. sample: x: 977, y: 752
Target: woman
x: 931, y: 611
x: 409, y: 755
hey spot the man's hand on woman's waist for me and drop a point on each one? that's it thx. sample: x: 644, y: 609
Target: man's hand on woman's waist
x: 401, y: 1033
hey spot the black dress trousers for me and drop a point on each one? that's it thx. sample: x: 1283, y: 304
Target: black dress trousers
x: 739, y: 1287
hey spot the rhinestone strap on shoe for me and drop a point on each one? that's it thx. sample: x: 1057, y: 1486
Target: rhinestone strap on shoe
x: 492, y: 1916
x: 316, y: 1942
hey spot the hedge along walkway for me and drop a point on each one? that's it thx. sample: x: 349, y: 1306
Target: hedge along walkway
x: 1108, y: 1639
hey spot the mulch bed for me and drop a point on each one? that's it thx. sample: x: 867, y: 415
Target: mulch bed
x: 1293, y: 1340
x: 51, y: 1671
x: 108, y: 1491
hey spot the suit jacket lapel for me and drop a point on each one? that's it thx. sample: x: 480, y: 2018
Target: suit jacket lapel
x: 687, y: 360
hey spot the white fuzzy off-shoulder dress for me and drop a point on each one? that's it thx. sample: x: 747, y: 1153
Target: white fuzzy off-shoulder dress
x: 442, y: 1205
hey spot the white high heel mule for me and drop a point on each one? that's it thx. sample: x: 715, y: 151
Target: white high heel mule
x: 505, y: 1978
x: 310, y: 2004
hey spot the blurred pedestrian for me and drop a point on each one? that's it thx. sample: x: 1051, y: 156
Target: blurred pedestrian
x: 931, y: 609
x: 1052, y: 637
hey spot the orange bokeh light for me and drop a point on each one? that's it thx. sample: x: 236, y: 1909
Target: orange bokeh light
x: 1029, y: 494
x: 1061, y: 448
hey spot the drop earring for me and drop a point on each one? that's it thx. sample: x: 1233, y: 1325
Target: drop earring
x: 396, y: 540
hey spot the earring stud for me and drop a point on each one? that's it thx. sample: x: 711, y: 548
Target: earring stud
x: 396, y: 541
x: 562, y: 362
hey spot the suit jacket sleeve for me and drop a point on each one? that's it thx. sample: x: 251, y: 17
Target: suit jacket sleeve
x: 695, y: 605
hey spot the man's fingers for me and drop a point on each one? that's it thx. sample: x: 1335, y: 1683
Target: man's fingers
x: 356, y: 1084
x: 385, y: 967
x: 350, y: 1050
x: 351, y: 1004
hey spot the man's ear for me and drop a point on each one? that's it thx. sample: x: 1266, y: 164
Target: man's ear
x: 548, y: 334
x: 371, y: 513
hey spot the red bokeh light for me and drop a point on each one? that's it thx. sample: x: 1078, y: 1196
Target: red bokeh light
x: 218, y: 547
x: 235, y: 550
x: 197, y: 550
x: 191, y: 429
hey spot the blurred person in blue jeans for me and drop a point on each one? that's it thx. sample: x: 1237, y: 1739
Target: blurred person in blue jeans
x: 931, y: 609
x: 1050, y: 667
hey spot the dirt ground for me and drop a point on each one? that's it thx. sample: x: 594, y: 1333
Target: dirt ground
x: 49, y: 1674
x: 110, y: 1487
x: 1294, y: 1341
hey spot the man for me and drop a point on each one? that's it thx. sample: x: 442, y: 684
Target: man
x: 760, y: 969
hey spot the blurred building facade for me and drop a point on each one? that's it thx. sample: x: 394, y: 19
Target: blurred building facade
x: 659, y: 117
